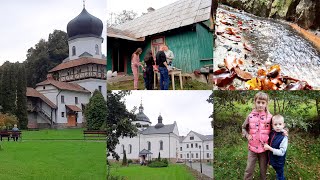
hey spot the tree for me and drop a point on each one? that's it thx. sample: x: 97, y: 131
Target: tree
x: 159, y: 158
x: 122, y: 17
x: 124, y: 160
x: 21, y: 86
x: 96, y: 111
x: 45, y: 55
x: 8, y: 88
x: 118, y: 121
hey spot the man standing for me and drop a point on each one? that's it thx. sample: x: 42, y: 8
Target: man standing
x: 161, y: 61
x: 169, y: 55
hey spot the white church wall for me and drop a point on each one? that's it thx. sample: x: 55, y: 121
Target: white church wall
x: 85, y: 44
x: 69, y: 99
x: 93, y: 84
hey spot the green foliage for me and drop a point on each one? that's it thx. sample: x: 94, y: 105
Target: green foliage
x: 21, y: 86
x: 45, y: 55
x: 118, y: 121
x: 130, y: 161
x: 155, y: 164
x: 8, y: 88
x: 96, y: 111
x: 124, y: 160
x: 230, y: 159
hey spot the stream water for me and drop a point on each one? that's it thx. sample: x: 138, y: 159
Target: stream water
x: 273, y: 41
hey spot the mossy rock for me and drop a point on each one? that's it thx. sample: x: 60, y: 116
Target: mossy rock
x: 282, y: 8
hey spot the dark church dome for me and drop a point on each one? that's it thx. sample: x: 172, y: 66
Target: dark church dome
x: 159, y: 124
x: 84, y: 25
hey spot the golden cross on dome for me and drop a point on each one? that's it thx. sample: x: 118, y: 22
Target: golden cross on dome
x: 84, y: 3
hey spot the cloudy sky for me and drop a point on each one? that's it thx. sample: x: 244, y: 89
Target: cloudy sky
x: 24, y: 23
x: 189, y: 109
x: 138, y: 6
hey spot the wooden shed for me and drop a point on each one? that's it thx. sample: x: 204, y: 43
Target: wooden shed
x: 185, y: 26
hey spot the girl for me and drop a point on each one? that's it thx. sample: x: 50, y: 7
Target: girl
x: 256, y: 129
x: 135, y: 63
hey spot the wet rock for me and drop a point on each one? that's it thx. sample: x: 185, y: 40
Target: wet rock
x: 306, y: 13
x: 227, y: 47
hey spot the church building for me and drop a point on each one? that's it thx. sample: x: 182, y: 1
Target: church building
x: 164, y: 139
x: 59, y: 101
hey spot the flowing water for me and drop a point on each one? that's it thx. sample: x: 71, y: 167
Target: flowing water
x: 278, y: 43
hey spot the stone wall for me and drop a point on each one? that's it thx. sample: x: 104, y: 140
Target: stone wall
x: 306, y: 13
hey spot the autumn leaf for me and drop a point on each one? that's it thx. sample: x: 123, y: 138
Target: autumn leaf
x: 247, y: 47
x: 254, y: 84
x: 262, y: 72
x: 242, y: 74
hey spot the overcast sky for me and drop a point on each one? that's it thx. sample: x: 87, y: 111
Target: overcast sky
x: 189, y: 109
x: 138, y: 6
x: 24, y: 23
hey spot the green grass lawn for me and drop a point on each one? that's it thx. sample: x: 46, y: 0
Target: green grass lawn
x: 188, y: 85
x: 32, y: 158
x: 173, y: 171
x: 302, y: 161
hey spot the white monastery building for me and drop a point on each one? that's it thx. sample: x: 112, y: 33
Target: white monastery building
x: 165, y: 139
x: 59, y: 101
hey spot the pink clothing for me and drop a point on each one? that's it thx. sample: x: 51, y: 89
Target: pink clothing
x: 135, y: 59
x: 259, y: 129
x: 135, y: 71
x: 135, y: 63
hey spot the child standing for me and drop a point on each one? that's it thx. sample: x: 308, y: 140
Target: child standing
x: 256, y: 129
x: 278, y: 146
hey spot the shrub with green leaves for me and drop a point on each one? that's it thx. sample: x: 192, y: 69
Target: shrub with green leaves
x: 96, y: 111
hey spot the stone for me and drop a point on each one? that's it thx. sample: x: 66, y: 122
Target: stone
x: 306, y: 13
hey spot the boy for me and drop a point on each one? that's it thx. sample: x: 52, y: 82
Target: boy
x: 278, y: 146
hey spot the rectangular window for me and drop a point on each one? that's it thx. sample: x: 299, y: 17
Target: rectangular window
x: 191, y: 138
x: 196, y: 155
x: 180, y: 148
x: 76, y: 100
x: 208, y: 155
x: 62, y: 99
x: 62, y: 114
x: 191, y: 155
x: 191, y: 145
x: 181, y: 156
x: 207, y: 146
x: 44, y: 87
x: 187, y: 145
x: 187, y: 155
x: 196, y: 145
x: 100, y: 88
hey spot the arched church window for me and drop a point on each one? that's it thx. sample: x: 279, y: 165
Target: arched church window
x: 130, y: 149
x: 73, y: 50
x: 161, y: 145
x: 149, y: 146
x: 97, y: 49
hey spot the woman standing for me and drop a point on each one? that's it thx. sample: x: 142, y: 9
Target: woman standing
x: 135, y: 63
x: 149, y: 61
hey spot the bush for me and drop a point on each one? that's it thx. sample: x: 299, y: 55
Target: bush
x: 158, y: 164
x: 130, y: 161
x: 113, y: 177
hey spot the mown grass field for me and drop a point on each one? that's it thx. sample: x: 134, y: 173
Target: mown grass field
x: 135, y: 172
x: 33, y: 158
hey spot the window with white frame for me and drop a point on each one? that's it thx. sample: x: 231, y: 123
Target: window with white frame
x: 161, y: 145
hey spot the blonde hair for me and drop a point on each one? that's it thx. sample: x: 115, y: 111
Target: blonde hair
x: 261, y: 96
x: 277, y: 117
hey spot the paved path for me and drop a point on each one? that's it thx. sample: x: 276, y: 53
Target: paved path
x: 207, y: 170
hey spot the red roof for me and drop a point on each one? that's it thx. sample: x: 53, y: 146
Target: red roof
x: 78, y: 62
x: 74, y: 108
x: 64, y: 85
x: 34, y: 93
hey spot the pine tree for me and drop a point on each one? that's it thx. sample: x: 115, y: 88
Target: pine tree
x: 21, y: 112
x: 124, y: 160
x: 8, y: 88
x: 96, y: 111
